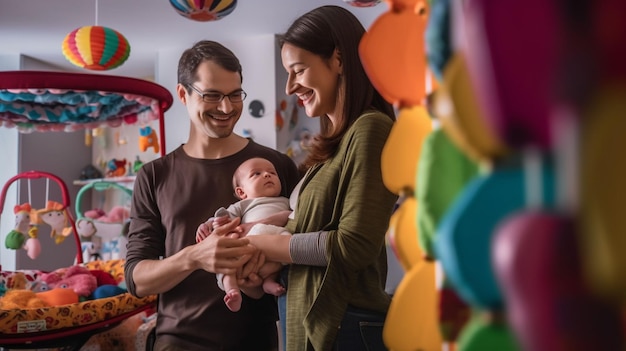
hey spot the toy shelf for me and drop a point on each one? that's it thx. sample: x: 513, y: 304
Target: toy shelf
x: 124, y: 179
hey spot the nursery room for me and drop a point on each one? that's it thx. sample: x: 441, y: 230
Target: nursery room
x: 500, y: 168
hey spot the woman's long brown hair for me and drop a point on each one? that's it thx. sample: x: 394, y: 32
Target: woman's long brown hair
x: 320, y: 32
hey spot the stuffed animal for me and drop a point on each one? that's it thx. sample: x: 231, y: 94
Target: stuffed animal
x: 32, y: 247
x: 55, y: 216
x: 95, y: 213
x: 107, y: 285
x: 148, y: 138
x: 17, y: 281
x: 16, y: 237
x: 24, y: 298
x: 103, y: 278
x: 22, y: 279
x: 58, y: 296
x: 116, y: 168
x: 24, y: 235
x: 117, y: 214
x: 21, y: 298
x: 91, y: 249
x: 86, y: 228
x: 77, y: 278
x: 90, y: 172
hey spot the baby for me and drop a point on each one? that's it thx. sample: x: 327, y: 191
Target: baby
x: 258, y: 187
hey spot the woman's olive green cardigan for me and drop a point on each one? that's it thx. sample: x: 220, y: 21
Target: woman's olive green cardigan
x: 346, y: 197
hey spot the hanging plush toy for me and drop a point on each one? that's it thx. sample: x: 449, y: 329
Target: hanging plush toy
x: 85, y: 228
x: 116, y: 167
x: 17, y: 237
x: 54, y: 215
x: 32, y: 246
x: 24, y: 235
x: 148, y: 138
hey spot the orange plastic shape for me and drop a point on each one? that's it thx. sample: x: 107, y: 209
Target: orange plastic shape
x: 393, y: 53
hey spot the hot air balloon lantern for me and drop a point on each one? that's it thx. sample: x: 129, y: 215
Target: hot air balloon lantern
x: 96, y: 48
x: 362, y: 3
x: 204, y: 10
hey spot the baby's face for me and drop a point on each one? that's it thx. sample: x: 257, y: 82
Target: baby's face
x: 258, y: 178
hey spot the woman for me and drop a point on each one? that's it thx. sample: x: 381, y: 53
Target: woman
x: 338, y: 263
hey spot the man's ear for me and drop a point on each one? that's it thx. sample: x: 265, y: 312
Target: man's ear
x: 182, y: 93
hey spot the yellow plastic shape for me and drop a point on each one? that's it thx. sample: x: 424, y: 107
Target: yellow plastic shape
x: 458, y: 110
x: 402, y: 234
x: 393, y: 53
x: 603, y: 192
x: 401, y: 152
x: 413, y: 320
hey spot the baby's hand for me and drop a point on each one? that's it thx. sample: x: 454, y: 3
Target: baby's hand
x: 218, y: 221
x: 204, y: 230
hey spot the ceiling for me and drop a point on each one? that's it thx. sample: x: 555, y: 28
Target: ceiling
x: 36, y: 28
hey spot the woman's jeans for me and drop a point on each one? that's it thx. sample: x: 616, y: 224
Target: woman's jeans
x: 282, y: 315
x: 360, y: 330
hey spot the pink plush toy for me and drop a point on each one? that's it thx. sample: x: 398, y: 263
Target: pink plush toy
x: 77, y: 278
x: 95, y: 213
x: 117, y: 214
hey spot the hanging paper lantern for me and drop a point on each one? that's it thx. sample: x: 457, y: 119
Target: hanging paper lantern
x: 204, y: 10
x: 96, y: 48
x: 362, y: 3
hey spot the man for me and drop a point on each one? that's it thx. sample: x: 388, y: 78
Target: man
x: 176, y: 193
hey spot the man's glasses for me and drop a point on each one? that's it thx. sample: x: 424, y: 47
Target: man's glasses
x: 215, y: 97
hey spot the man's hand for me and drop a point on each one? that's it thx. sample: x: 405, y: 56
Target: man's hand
x: 249, y: 280
x: 222, y: 251
x: 252, y: 266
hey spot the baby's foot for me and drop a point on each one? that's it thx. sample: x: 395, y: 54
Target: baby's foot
x: 273, y: 288
x: 232, y: 299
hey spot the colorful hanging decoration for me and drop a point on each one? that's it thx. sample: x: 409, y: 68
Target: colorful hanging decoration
x: 96, y: 48
x: 204, y: 10
x: 362, y: 3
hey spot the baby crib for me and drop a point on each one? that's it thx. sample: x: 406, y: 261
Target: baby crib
x: 68, y: 326
x: 39, y: 101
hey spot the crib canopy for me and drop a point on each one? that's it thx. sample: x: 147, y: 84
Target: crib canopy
x: 60, y: 101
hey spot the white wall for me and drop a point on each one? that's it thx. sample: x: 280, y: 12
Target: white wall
x: 8, y: 160
x: 8, y: 141
x: 176, y: 119
x: 256, y: 55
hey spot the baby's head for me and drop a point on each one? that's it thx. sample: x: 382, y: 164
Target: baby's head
x: 256, y: 177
